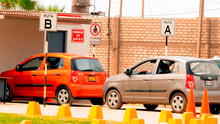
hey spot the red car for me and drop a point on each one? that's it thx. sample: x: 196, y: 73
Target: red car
x: 69, y: 76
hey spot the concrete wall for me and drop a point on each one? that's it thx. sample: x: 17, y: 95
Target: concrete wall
x: 19, y: 39
x: 140, y: 38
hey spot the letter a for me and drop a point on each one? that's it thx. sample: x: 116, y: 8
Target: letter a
x: 167, y: 30
x: 48, y: 24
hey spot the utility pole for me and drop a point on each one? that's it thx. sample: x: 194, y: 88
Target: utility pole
x: 109, y: 35
x: 120, y: 14
x: 142, y: 12
x: 200, y: 19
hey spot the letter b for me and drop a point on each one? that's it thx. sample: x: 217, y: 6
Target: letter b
x: 47, y: 24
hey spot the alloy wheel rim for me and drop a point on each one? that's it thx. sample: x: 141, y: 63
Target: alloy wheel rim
x: 178, y: 103
x: 7, y: 93
x: 113, y: 99
x: 63, y: 96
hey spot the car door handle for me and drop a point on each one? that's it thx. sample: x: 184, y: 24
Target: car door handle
x: 34, y: 74
x: 57, y: 74
x: 171, y: 79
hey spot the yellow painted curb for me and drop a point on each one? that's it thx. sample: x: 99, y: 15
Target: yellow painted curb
x: 174, y: 121
x: 165, y: 116
x: 195, y: 121
x: 186, y: 117
x: 204, y: 117
x: 129, y: 114
x: 95, y: 112
x: 98, y: 121
x: 64, y: 111
x: 212, y: 120
x: 33, y: 108
x: 26, y: 122
x: 137, y: 121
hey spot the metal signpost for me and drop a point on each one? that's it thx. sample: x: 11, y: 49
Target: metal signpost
x: 48, y: 22
x: 95, y: 37
x: 167, y: 28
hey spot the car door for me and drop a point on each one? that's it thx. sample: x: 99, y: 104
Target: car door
x: 137, y: 85
x: 163, y: 80
x: 28, y: 77
x: 56, y: 74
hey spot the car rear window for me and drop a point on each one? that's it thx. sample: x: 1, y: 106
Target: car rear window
x: 204, y: 68
x: 86, y: 65
x: 217, y: 62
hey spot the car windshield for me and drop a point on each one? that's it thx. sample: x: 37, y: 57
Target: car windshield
x: 204, y: 68
x: 86, y: 65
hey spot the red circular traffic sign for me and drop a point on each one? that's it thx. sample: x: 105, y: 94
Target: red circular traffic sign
x: 95, y: 29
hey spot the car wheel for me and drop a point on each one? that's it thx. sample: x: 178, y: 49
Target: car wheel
x: 214, y: 109
x: 63, y: 95
x: 178, y: 103
x: 39, y: 100
x: 150, y: 107
x: 8, y: 94
x: 113, y: 99
x: 97, y: 101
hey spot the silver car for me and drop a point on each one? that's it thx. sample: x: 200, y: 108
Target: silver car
x: 164, y: 80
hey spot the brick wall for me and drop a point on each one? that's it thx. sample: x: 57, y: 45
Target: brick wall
x: 140, y: 38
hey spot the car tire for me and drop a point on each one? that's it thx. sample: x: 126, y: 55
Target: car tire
x: 97, y: 101
x: 150, y: 107
x: 63, y: 95
x: 8, y: 94
x: 113, y: 99
x: 214, y: 109
x: 39, y: 100
x: 178, y: 103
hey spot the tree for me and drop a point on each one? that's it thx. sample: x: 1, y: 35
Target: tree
x: 27, y: 4
x: 8, y: 4
x: 51, y: 8
x: 16, y: 4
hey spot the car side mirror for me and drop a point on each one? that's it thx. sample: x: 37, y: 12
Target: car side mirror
x: 18, y: 67
x: 128, y: 72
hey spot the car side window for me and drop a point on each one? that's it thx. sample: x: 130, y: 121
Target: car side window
x: 32, y: 64
x: 54, y: 63
x: 146, y: 67
x: 167, y: 66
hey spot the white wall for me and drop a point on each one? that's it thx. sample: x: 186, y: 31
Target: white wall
x: 74, y: 47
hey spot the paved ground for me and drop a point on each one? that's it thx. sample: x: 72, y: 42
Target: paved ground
x: 81, y: 111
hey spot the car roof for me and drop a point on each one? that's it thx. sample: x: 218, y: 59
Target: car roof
x: 178, y: 58
x: 64, y: 55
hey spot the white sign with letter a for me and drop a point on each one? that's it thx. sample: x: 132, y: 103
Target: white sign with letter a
x: 48, y: 22
x: 167, y: 27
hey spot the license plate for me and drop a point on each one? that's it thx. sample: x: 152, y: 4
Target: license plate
x: 92, y: 79
x: 208, y: 83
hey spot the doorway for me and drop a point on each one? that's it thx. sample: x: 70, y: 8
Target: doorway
x: 57, y: 41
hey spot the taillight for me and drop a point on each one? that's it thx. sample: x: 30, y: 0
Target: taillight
x: 74, y: 76
x: 190, y: 82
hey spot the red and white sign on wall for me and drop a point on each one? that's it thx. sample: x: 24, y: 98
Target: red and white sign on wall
x: 78, y: 35
x: 95, y: 31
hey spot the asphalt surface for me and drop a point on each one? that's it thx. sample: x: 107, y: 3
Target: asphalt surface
x: 81, y: 110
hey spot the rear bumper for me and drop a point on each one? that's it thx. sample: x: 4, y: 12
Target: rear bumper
x: 213, y: 97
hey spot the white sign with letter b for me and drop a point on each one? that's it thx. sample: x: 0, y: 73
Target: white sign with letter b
x: 48, y: 22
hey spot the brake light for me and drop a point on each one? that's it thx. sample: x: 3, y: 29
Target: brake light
x: 190, y: 82
x: 74, y: 76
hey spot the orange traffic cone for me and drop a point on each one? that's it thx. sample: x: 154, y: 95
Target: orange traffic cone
x: 191, y: 103
x: 205, y: 104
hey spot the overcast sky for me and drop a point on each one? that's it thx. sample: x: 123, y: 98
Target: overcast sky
x: 153, y: 8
